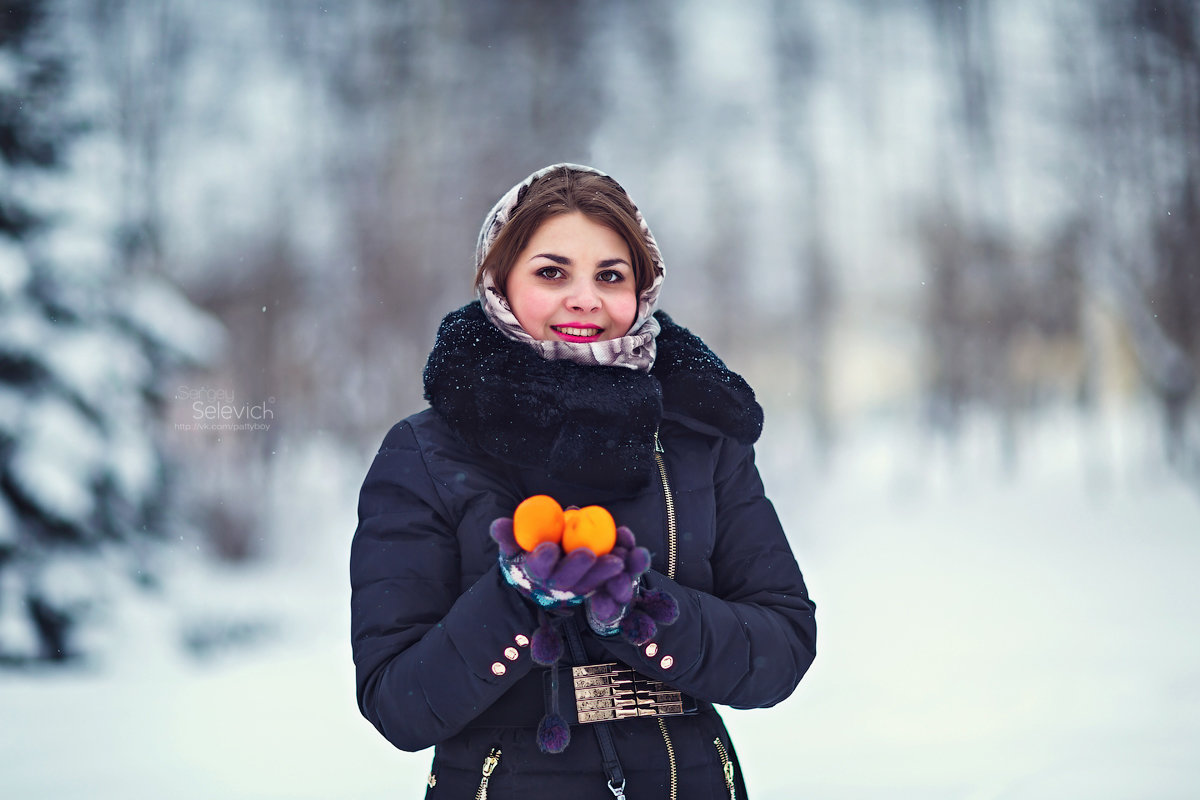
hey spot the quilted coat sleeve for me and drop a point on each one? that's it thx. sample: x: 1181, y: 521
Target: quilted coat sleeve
x: 425, y: 654
x: 749, y: 642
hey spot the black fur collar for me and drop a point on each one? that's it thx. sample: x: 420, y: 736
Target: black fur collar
x: 584, y: 424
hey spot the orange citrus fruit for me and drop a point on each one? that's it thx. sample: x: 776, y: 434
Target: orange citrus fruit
x: 537, y: 519
x: 591, y: 527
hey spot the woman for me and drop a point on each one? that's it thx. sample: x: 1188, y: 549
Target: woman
x: 562, y: 381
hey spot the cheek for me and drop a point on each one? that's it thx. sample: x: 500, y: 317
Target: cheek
x: 624, y: 311
x: 531, y: 307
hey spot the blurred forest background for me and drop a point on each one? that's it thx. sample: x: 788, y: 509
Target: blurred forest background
x: 954, y: 246
x: 930, y: 212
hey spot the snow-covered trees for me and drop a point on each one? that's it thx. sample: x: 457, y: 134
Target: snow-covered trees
x: 869, y: 208
x: 84, y: 349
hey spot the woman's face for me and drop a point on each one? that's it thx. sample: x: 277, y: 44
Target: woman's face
x: 573, y: 282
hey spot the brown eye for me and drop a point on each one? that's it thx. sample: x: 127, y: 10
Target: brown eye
x: 609, y: 276
x: 549, y: 272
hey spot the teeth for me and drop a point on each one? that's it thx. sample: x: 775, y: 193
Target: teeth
x: 576, y: 331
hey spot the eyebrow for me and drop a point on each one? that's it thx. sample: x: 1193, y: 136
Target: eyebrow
x: 564, y: 261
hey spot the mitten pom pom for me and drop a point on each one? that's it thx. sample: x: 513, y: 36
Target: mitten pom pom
x: 661, y: 606
x: 553, y: 734
x: 547, y: 645
x: 637, y: 628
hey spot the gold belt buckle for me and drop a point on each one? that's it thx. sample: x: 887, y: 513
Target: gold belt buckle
x: 613, y: 691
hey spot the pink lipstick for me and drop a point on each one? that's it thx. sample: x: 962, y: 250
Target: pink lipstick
x: 577, y: 332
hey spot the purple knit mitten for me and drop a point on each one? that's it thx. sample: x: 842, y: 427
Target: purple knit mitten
x: 547, y: 576
x: 621, y: 605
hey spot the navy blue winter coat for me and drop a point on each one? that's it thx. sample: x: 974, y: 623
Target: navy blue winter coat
x: 432, y: 618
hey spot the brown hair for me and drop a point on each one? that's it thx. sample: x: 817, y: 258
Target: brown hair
x: 564, y: 190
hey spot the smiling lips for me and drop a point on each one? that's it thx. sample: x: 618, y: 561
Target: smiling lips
x: 578, y: 333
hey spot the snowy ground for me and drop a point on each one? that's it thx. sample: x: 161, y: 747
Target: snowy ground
x: 981, y: 637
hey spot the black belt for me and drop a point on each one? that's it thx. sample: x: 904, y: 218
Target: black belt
x: 595, y: 693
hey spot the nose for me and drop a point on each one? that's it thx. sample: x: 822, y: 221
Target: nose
x: 582, y: 296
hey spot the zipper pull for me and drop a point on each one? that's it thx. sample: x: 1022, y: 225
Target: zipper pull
x: 618, y: 791
x: 658, y: 448
x: 489, y: 763
x: 489, y: 766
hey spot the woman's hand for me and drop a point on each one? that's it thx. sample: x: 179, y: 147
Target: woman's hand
x: 621, y: 605
x: 546, y: 575
x: 608, y: 586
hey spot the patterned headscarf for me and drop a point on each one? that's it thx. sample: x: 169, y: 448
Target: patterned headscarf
x: 635, y: 350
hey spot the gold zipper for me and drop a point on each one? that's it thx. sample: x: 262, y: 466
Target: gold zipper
x: 662, y: 726
x: 670, y: 500
x: 726, y: 767
x: 489, y: 766
x: 671, y: 547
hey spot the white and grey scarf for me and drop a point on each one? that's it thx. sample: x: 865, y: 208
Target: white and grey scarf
x: 635, y: 350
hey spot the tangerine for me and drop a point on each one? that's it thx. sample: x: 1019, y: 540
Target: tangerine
x: 591, y: 527
x: 538, y: 519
